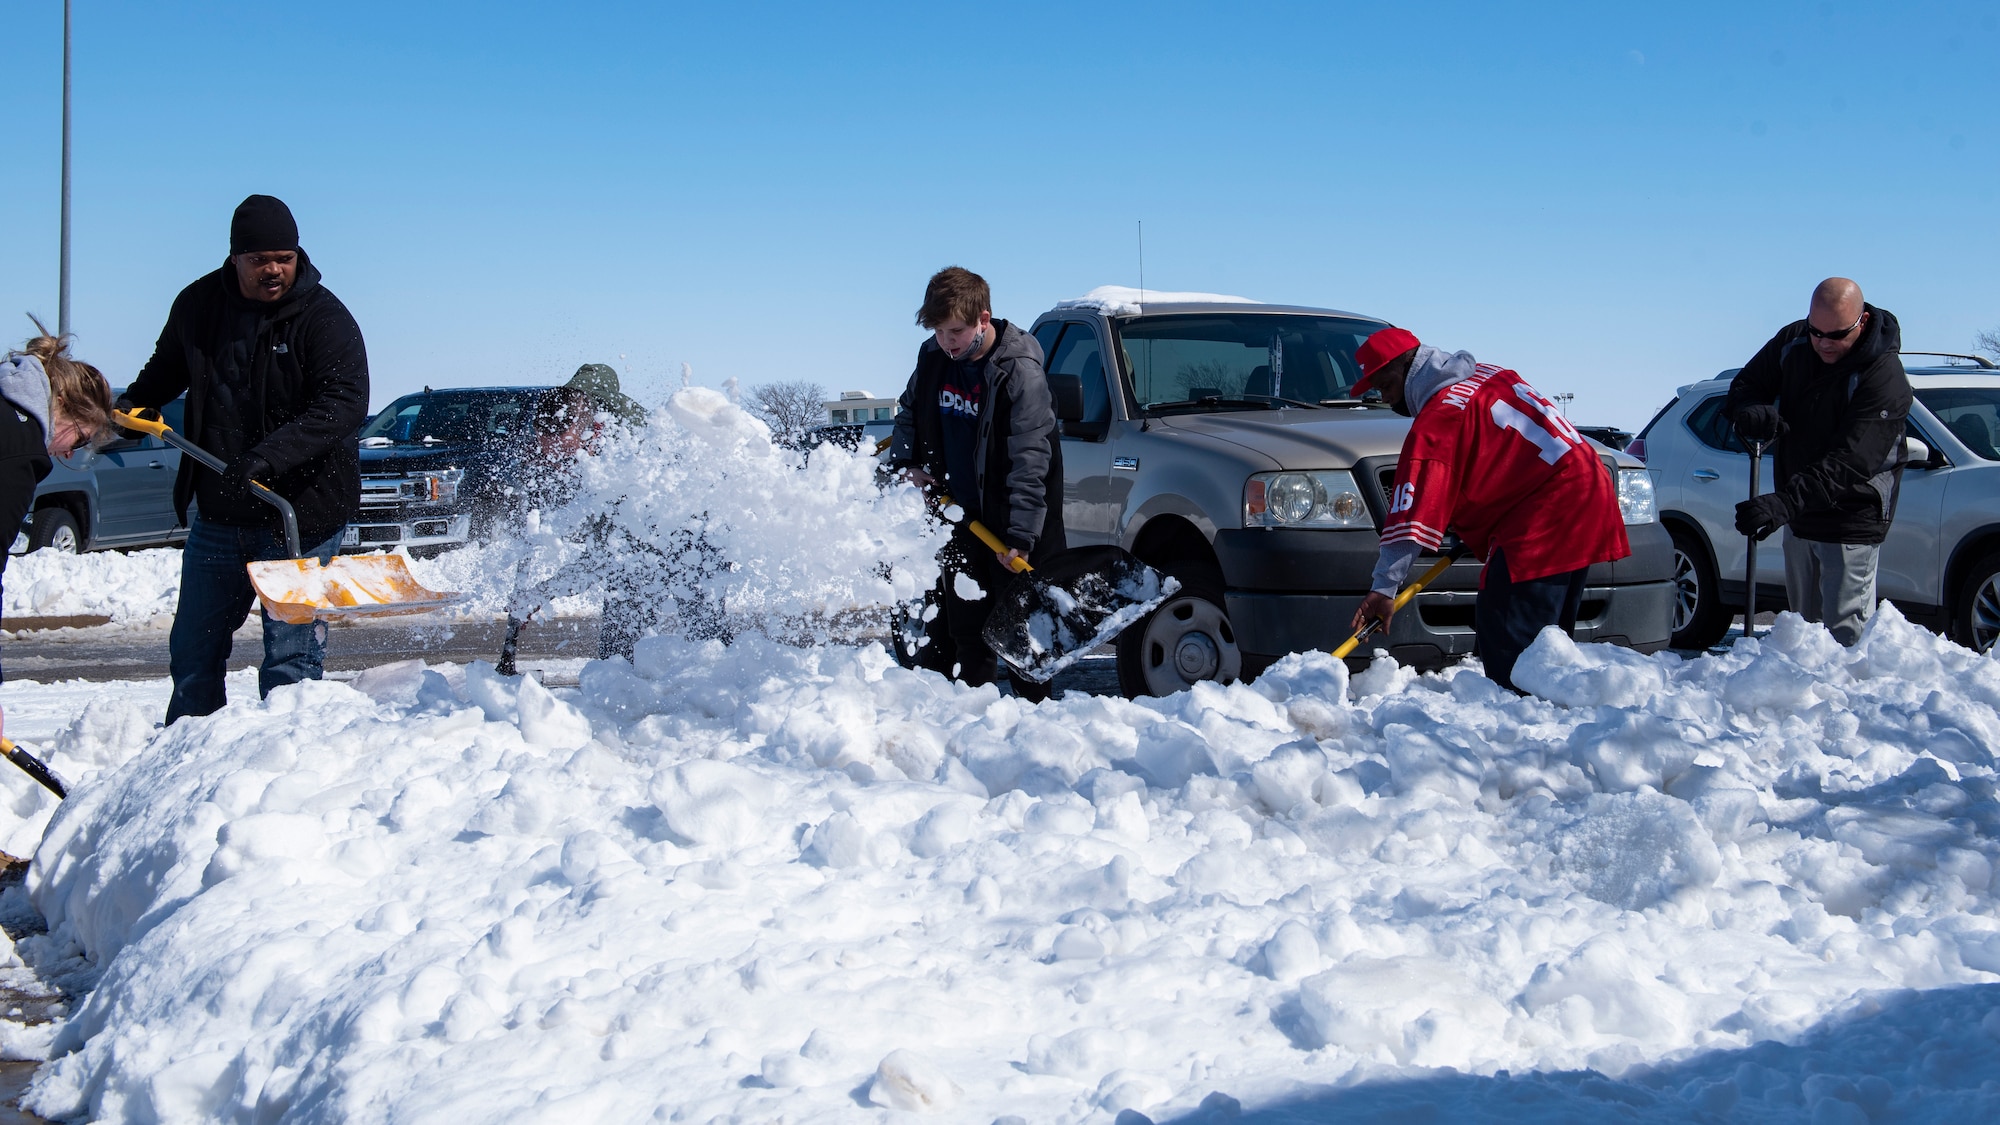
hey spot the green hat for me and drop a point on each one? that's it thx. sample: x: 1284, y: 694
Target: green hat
x: 600, y: 382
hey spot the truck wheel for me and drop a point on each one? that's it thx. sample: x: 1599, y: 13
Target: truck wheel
x: 1178, y: 645
x: 1975, y: 613
x: 55, y: 527
x: 1699, y: 617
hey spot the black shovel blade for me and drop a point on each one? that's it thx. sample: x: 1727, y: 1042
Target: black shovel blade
x: 1048, y: 618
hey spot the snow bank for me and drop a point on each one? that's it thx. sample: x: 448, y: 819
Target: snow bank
x: 781, y: 882
x: 123, y: 586
x: 1119, y: 300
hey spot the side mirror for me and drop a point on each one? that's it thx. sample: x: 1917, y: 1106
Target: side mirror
x: 1068, y: 393
x: 1916, y: 453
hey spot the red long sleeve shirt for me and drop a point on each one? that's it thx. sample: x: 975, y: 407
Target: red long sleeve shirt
x: 1491, y: 460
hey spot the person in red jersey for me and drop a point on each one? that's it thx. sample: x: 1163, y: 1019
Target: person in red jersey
x: 1489, y: 460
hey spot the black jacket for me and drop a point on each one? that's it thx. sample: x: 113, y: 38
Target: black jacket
x: 308, y: 380
x: 24, y: 461
x: 1019, y: 454
x: 1840, y: 461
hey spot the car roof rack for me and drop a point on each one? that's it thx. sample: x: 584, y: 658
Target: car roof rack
x: 1978, y: 360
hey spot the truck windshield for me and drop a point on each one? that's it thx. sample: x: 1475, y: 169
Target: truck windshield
x: 1242, y: 361
x: 447, y: 418
x: 1972, y: 414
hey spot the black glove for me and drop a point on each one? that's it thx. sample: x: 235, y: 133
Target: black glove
x: 247, y: 468
x: 126, y: 405
x: 1760, y: 517
x: 1760, y: 424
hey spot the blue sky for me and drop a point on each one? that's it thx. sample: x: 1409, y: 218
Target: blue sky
x: 1612, y: 199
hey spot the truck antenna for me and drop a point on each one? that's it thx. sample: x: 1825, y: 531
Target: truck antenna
x: 1142, y: 261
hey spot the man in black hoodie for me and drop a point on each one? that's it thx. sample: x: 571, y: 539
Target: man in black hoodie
x: 1830, y: 391
x: 978, y: 421
x: 276, y: 378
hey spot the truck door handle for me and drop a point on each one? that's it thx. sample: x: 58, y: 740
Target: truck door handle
x: 155, y: 465
x: 1707, y: 475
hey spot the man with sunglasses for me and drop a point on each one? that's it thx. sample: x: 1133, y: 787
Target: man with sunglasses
x: 1830, y: 392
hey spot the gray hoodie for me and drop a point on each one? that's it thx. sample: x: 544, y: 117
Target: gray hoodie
x: 1431, y: 371
x: 26, y: 385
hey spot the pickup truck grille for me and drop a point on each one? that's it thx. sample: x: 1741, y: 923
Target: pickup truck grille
x: 389, y: 491
x: 1386, y: 479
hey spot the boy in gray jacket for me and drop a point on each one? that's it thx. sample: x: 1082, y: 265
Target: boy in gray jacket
x: 977, y: 423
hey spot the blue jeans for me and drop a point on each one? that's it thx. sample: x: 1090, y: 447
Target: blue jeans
x: 1509, y: 615
x: 215, y: 597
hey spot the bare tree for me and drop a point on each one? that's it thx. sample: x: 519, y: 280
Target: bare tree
x: 791, y: 407
x: 1988, y: 342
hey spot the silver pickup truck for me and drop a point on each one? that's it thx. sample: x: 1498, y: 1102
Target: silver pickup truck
x: 1215, y: 438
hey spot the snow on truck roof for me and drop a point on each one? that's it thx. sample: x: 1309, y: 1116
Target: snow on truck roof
x: 1120, y: 300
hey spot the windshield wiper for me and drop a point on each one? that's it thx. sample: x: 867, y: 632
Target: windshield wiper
x: 1242, y: 401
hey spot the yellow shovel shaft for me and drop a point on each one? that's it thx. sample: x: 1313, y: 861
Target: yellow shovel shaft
x: 1402, y: 599
x: 986, y: 536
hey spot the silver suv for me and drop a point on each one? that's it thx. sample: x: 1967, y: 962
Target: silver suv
x: 1941, y: 563
x: 1217, y: 441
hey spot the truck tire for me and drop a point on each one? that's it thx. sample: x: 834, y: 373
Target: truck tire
x: 1700, y: 620
x: 1185, y: 641
x: 55, y: 527
x: 1975, y: 612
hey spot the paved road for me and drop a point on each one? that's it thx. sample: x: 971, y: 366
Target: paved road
x: 135, y: 654
x: 132, y: 654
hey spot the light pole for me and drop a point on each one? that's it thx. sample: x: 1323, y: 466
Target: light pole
x: 62, y: 273
x: 1562, y: 402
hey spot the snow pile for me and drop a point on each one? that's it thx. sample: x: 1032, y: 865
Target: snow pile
x: 1119, y: 300
x: 123, y: 586
x: 700, y: 510
x: 791, y: 883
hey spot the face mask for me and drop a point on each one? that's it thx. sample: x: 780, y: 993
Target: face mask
x: 972, y: 349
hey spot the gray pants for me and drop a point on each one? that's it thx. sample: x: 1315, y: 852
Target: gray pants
x: 1833, y: 583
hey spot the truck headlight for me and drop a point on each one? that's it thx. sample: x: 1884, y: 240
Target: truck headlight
x: 1635, y: 496
x: 1316, y: 498
x: 442, y: 485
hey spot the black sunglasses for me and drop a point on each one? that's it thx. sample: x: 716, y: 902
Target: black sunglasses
x: 1838, y: 333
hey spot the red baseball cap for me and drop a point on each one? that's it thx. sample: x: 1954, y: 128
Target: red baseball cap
x: 1375, y: 353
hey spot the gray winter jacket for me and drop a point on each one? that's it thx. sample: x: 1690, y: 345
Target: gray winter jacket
x: 1019, y: 452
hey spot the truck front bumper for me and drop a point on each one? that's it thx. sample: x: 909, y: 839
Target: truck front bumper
x: 1629, y: 602
x: 375, y: 533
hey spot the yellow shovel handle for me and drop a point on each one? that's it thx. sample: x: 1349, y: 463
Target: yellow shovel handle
x: 1402, y: 599
x: 132, y: 420
x: 986, y: 536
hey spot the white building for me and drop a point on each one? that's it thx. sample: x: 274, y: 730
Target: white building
x: 859, y: 406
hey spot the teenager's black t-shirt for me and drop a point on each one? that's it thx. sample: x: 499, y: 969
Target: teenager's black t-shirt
x: 960, y: 394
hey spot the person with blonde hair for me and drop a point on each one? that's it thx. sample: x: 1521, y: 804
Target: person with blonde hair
x: 52, y: 404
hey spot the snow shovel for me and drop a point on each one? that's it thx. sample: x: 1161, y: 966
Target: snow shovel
x: 1374, y: 624
x: 1050, y: 616
x: 34, y: 767
x: 296, y: 590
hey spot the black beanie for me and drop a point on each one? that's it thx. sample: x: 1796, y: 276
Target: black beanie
x: 262, y: 222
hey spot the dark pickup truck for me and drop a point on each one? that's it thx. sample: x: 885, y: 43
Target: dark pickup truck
x: 436, y: 467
